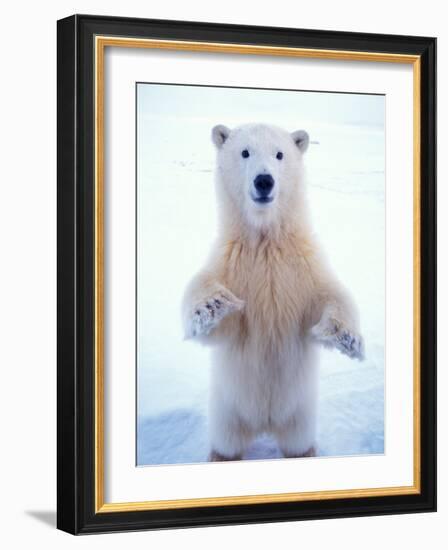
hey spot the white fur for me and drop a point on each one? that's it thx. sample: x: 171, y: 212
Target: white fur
x: 265, y: 298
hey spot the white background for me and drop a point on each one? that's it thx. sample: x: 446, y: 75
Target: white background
x: 124, y: 482
x: 28, y: 275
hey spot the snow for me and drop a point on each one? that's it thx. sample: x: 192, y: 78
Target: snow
x: 175, y: 229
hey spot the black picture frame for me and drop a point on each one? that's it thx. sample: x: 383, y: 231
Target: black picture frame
x: 76, y: 286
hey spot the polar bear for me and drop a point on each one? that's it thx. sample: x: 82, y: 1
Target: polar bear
x: 266, y: 297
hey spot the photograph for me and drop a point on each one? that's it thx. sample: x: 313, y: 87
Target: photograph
x: 246, y: 274
x: 260, y: 274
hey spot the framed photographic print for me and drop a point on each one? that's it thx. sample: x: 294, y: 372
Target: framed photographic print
x: 246, y: 274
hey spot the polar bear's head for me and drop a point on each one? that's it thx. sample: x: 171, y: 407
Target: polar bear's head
x: 259, y: 171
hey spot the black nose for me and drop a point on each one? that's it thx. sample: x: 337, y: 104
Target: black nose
x: 264, y: 184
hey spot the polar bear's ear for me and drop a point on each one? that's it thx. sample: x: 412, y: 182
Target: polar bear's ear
x: 301, y: 139
x: 219, y: 135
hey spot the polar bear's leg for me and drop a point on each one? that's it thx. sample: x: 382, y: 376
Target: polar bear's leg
x: 312, y: 451
x: 230, y: 436
x: 214, y: 456
x: 297, y: 437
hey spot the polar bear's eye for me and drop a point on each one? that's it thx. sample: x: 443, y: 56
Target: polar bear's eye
x: 279, y: 155
x: 245, y: 153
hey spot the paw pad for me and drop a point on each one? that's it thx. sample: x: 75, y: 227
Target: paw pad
x: 211, y: 311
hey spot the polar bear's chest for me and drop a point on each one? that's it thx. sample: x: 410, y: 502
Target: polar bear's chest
x: 277, y: 289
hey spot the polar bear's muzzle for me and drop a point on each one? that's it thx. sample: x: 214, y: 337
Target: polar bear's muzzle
x: 263, y: 185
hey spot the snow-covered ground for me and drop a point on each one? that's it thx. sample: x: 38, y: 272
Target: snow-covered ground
x: 176, y: 224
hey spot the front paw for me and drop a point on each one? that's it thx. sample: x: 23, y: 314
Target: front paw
x: 208, y: 313
x: 334, y: 334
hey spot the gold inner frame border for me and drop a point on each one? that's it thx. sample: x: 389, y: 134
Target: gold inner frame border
x: 101, y: 42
